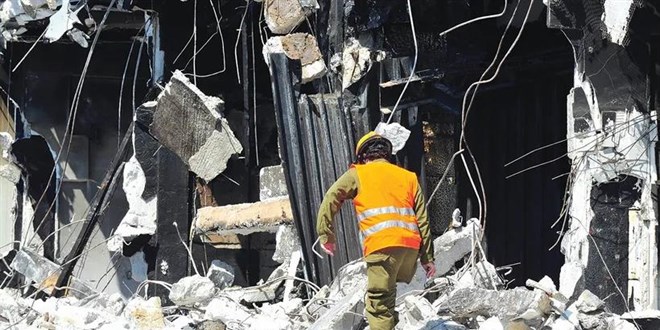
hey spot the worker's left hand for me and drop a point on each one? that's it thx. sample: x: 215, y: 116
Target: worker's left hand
x: 429, y: 268
x: 329, y: 248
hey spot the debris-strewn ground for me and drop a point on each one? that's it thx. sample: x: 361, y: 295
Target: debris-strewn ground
x: 470, y: 297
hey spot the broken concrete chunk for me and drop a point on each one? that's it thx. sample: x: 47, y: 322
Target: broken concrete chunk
x: 397, y: 134
x: 10, y: 172
x: 345, y: 293
x: 221, y: 274
x: 5, y: 145
x: 286, y: 242
x: 272, y: 183
x: 589, y: 302
x: 245, y: 218
x: 506, y: 305
x: 492, y: 323
x: 61, y: 22
x: 141, y: 216
x: 485, y: 276
x: 303, y: 47
x: 189, y: 123
x: 192, y: 290
x: 282, y: 16
x: 355, y: 62
x: 454, y: 245
x: 145, y: 314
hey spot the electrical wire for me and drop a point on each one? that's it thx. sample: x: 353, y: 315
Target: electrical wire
x: 465, y: 112
x: 412, y: 25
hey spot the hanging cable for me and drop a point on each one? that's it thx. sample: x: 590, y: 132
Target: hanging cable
x: 412, y: 25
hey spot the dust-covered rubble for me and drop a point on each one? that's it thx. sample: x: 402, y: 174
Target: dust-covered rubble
x: 473, y: 296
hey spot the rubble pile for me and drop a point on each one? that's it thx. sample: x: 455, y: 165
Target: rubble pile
x: 469, y: 297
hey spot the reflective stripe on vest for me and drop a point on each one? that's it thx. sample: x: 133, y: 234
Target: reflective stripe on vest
x: 388, y: 224
x: 385, y: 210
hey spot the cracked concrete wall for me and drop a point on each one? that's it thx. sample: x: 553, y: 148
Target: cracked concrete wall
x: 611, y: 138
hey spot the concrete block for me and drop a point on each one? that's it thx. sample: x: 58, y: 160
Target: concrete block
x: 272, y: 183
x: 282, y: 16
x: 189, y: 123
x: 192, y: 290
x: 303, y: 47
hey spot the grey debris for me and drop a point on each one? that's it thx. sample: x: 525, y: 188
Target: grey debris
x: 272, y: 182
x: 589, y: 302
x: 221, y: 274
x: 506, y: 304
x: 192, y: 290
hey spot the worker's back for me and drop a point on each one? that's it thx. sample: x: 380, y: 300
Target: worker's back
x: 385, y: 205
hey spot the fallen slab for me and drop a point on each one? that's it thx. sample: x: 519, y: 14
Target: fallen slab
x: 189, y: 123
x: 454, y: 245
x: 506, y: 305
x: 247, y: 218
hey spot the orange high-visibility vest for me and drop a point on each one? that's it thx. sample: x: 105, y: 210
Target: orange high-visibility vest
x: 385, y: 207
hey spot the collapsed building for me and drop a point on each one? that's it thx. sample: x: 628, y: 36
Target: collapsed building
x: 163, y: 161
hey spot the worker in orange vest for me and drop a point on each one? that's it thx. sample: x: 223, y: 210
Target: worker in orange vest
x: 394, y: 228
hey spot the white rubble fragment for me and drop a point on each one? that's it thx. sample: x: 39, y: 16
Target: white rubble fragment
x: 272, y: 183
x: 355, y: 62
x: 142, y: 214
x: 492, y: 323
x: 346, y: 291
x: 570, y: 278
x: 221, y: 274
x: 568, y: 319
x: 282, y: 16
x: 145, y: 314
x: 286, y: 242
x: 10, y: 172
x: 235, y: 316
x: 456, y: 218
x: 485, y: 275
x: 5, y: 144
x: 9, y: 308
x: 192, y: 290
x: 397, y: 134
x: 589, y: 302
x: 617, y: 323
x: 616, y: 17
x: 454, y: 245
x: 61, y: 22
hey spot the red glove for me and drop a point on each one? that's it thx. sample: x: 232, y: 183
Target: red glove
x: 429, y: 268
x: 329, y: 248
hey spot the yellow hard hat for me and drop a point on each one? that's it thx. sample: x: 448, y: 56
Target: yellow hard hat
x: 368, y: 137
